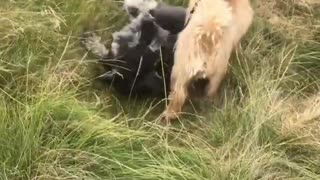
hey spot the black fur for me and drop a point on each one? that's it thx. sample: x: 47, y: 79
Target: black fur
x: 139, y: 70
x: 170, y: 18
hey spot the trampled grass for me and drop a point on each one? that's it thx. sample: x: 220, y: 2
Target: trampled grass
x: 57, y: 122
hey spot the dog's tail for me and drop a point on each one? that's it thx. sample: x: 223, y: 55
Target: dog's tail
x: 209, y: 19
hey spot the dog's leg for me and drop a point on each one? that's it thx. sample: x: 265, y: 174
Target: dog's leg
x: 214, y: 84
x: 177, y: 98
x: 92, y: 43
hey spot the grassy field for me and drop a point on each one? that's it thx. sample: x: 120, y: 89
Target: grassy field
x: 57, y: 122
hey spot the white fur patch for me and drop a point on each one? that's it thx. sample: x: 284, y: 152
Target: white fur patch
x: 142, y: 5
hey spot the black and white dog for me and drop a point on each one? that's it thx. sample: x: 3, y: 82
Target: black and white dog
x: 141, y: 55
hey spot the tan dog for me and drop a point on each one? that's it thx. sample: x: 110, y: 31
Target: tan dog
x: 204, y: 47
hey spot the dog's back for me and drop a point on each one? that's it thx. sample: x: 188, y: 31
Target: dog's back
x: 198, y: 43
x: 243, y: 16
x: 205, y: 45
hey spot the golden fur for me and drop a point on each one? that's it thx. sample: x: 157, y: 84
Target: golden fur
x: 205, y: 45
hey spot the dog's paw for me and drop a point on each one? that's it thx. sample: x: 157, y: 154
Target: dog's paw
x: 167, y: 117
x: 92, y: 43
x: 86, y: 38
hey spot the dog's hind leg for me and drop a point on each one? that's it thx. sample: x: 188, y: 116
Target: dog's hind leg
x: 214, y: 84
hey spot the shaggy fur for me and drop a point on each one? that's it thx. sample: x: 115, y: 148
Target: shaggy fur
x: 135, y: 7
x: 204, y: 47
x: 137, y: 49
x: 167, y: 17
x: 131, y: 68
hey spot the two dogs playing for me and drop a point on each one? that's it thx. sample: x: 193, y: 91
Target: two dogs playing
x: 213, y: 28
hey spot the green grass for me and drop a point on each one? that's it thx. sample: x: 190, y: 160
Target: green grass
x: 56, y: 122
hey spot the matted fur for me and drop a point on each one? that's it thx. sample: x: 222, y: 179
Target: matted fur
x: 205, y: 45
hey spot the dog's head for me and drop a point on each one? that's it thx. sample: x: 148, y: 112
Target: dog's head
x: 135, y: 7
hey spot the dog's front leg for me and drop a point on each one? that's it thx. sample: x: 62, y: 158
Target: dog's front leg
x: 92, y: 43
x: 177, y: 98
